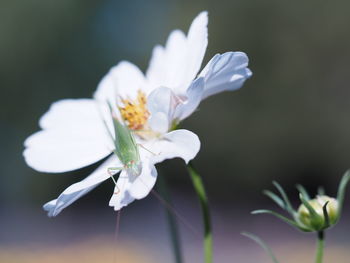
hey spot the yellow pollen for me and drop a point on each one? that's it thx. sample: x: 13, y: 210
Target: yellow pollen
x: 134, y: 112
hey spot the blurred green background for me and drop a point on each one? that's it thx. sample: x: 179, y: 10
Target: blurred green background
x: 288, y: 123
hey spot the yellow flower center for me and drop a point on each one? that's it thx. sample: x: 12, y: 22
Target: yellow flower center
x: 134, y: 112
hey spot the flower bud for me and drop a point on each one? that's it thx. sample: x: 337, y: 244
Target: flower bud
x: 318, y: 222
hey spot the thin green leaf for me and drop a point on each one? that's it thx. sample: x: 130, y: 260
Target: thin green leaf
x: 202, y: 196
x: 289, y: 207
x: 283, y: 218
x: 311, y: 210
x: 261, y: 243
x: 303, y: 191
x: 326, y: 216
x: 301, y: 225
x: 341, y: 191
x: 275, y: 198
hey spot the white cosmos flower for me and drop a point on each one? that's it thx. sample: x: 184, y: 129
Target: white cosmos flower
x: 76, y: 132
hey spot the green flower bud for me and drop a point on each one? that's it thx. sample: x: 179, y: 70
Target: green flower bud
x: 313, y: 215
x: 318, y: 222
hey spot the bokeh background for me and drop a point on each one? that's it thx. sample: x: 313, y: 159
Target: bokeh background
x: 290, y: 123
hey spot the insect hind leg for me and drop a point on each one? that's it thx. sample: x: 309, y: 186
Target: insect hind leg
x: 112, y: 171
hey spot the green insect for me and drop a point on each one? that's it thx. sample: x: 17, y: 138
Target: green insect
x: 126, y: 149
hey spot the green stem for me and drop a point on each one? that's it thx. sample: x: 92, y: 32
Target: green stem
x: 200, y: 191
x: 320, y: 247
x: 172, y: 224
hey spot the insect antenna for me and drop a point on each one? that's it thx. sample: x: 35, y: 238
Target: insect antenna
x: 116, y: 235
x: 172, y: 210
x: 143, y: 147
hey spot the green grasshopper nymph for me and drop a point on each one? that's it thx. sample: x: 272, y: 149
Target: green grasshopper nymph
x: 126, y: 150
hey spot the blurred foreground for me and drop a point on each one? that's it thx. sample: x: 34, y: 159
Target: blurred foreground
x: 99, y: 250
x: 102, y: 251
x: 78, y: 235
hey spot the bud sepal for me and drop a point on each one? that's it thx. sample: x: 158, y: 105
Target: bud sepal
x: 313, y: 215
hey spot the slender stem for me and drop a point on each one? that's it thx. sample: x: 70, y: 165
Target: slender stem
x: 320, y: 247
x: 116, y: 234
x: 200, y: 191
x: 172, y: 224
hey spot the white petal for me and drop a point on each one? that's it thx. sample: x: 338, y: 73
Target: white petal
x: 176, y: 65
x: 178, y: 143
x: 106, y: 91
x: 144, y: 183
x: 130, y: 187
x: 166, y: 66
x: 122, y: 81
x: 159, y: 122
x: 121, y: 196
x: 75, y: 191
x: 73, y: 136
x: 197, y: 44
x: 192, y: 100
x: 161, y: 104
x: 157, y: 67
x: 227, y: 71
x: 165, y: 106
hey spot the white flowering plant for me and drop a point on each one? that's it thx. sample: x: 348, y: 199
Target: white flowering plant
x: 132, y: 119
x: 76, y: 132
